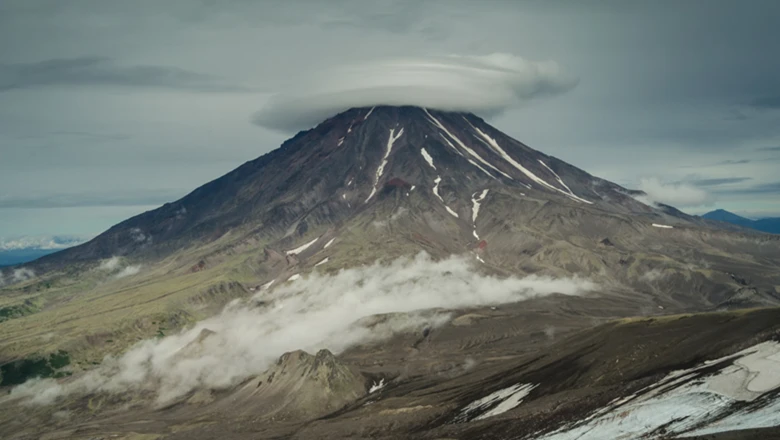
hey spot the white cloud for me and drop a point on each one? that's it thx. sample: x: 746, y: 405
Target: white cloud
x: 110, y: 264
x: 49, y: 242
x: 22, y: 274
x: 314, y: 312
x: 679, y: 195
x: 127, y: 271
x: 481, y: 84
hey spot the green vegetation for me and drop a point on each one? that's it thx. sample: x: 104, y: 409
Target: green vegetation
x: 18, y: 372
x: 28, y: 307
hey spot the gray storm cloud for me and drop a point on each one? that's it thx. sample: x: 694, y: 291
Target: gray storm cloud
x: 481, y: 84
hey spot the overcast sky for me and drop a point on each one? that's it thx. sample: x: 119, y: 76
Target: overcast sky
x: 110, y: 108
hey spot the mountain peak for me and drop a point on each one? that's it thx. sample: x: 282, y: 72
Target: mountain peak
x: 435, y: 160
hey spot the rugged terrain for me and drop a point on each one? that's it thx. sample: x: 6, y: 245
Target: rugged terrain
x: 379, y: 184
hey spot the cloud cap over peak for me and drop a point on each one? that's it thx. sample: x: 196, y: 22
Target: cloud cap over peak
x: 486, y: 84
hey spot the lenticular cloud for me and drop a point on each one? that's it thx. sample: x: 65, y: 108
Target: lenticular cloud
x: 480, y: 84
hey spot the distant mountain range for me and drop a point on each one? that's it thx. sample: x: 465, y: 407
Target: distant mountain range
x: 770, y: 225
x: 20, y: 250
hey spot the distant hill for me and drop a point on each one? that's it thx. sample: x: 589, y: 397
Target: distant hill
x: 770, y: 225
x: 19, y: 256
x: 25, y: 249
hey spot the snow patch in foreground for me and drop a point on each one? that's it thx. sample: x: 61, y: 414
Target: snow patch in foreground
x: 693, y: 401
x: 301, y: 248
x: 496, y: 403
x: 662, y: 226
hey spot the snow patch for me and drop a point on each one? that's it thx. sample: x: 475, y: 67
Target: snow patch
x: 322, y: 262
x: 302, y: 247
x: 329, y: 243
x: 436, y: 188
x: 496, y: 403
x: 454, y: 214
x: 381, y: 169
x: 267, y: 285
x: 475, y: 203
x: 662, y: 226
x: 376, y: 386
x: 341, y: 141
x: 369, y: 113
x: 413, y: 187
x: 427, y: 157
x: 294, y: 277
x: 691, y: 402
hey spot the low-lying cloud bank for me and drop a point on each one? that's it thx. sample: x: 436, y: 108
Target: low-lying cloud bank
x: 314, y: 312
x: 16, y: 276
x: 679, y: 195
x: 115, y: 266
x: 481, y: 84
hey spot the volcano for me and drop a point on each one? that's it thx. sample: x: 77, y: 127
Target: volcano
x: 380, y: 183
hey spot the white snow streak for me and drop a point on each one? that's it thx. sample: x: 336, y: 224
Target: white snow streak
x: 301, y: 248
x: 294, y: 277
x: 377, y: 386
x: 427, y: 157
x: 329, y: 243
x: 267, y: 285
x: 381, y: 169
x: 571, y: 193
x: 436, y: 193
x: 369, y: 113
x: 504, y: 400
x: 493, y: 144
x: 475, y: 203
x: 436, y: 188
x: 462, y: 145
x: 322, y: 262
x: 413, y: 187
x: 341, y: 141
x: 663, y: 226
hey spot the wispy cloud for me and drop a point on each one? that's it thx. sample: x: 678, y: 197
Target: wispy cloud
x: 718, y: 181
x: 47, y: 242
x: 96, y: 71
x: 358, y: 305
x: 674, y: 194
x: 54, y: 200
